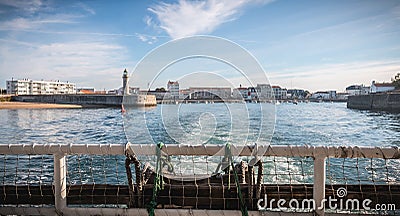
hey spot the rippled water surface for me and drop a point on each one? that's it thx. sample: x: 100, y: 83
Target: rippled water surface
x: 330, y: 124
x: 305, y: 123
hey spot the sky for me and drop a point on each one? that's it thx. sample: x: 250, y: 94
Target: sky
x: 313, y: 45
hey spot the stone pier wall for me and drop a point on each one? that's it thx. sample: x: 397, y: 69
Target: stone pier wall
x: 95, y: 100
x: 385, y: 102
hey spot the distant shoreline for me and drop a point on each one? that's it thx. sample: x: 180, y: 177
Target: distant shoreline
x: 31, y: 105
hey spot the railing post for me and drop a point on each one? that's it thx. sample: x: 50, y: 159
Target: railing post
x: 319, y: 184
x: 60, y: 182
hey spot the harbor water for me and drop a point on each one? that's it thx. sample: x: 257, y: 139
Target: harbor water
x: 330, y: 124
x: 302, y: 124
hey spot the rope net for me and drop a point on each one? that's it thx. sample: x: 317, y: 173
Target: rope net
x: 126, y: 181
x: 373, y: 179
x: 26, y: 180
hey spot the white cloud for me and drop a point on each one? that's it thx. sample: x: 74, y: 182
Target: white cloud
x: 187, y: 18
x: 98, y: 64
x: 33, y: 23
x: 150, y: 39
x: 31, y: 15
x: 27, y: 6
x: 86, y: 8
x: 148, y: 20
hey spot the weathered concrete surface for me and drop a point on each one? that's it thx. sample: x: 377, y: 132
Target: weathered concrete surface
x: 28, y: 105
x: 385, y: 102
x: 84, y: 100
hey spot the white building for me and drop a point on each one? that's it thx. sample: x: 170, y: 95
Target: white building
x: 279, y: 92
x: 173, y: 88
x: 296, y: 93
x: 184, y: 94
x: 357, y: 90
x: 33, y: 87
x: 265, y: 91
x: 381, y: 87
x: 210, y: 93
x: 322, y: 95
x: 241, y: 93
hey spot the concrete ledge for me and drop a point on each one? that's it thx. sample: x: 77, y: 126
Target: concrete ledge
x: 378, y: 102
x: 25, y: 105
x: 89, y: 100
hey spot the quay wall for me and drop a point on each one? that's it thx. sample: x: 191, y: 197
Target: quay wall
x: 379, y: 102
x: 84, y: 100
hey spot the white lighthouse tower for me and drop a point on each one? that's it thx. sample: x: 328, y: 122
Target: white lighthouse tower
x: 125, y: 83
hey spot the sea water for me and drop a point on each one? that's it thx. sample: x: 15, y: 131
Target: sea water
x: 329, y: 124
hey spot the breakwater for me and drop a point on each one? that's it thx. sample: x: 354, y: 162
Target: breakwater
x: 379, y: 102
x: 88, y: 100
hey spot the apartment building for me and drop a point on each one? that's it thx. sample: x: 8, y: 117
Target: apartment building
x: 34, y: 87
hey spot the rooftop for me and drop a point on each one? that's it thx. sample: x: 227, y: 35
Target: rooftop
x: 383, y: 84
x: 173, y: 82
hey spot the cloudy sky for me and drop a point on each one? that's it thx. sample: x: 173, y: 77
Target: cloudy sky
x: 315, y: 45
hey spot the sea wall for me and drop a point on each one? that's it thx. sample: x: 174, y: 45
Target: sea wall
x: 385, y: 102
x: 94, y: 100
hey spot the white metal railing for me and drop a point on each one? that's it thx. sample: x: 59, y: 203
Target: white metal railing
x: 59, y: 151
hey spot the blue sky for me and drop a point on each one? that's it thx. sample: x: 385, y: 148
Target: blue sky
x: 315, y: 45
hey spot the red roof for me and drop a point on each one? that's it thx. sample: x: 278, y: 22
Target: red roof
x: 383, y: 84
x: 172, y: 82
x: 86, y: 91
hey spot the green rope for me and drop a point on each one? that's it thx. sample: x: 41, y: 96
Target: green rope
x: 243, y: 207
x: 158, y: 181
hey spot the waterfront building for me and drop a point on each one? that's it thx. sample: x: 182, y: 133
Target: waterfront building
x: 324, y: 95
x: 173, y: 88
x: 296, y: 94
x: 381, y: 87
x: 85, y: 90
x: 210, y: 92
x: 184, y: 93
x: 357, y: 90
x: 160, y: 94
x: 134, y: 90
x: 321, y: 95
x: 120, y: 91
x: 365, y: 90
x: 241, y: 93
x: 252, y: 93
x: 264, y: 91
x: 34, y: 87
x: 332, y: 94
x: 279, y: 93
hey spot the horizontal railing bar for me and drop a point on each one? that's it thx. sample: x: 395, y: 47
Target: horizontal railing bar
x: 142, y: 211
x: 209, y: 150
x: 42, y: 149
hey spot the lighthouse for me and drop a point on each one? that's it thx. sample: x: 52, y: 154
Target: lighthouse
x: 125, y: 84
